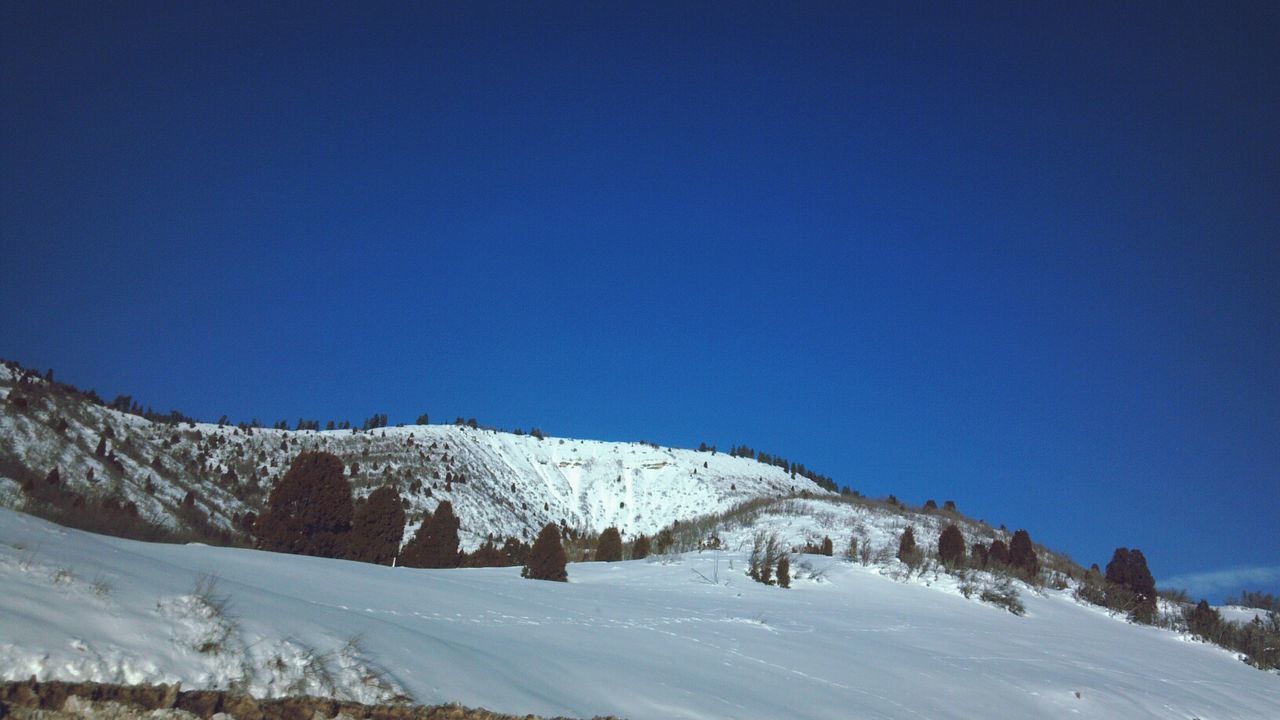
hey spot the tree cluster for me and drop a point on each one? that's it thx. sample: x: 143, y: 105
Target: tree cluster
x: 310, y: 509
x: 766, y: 553
x: 1260, y: 600
x: 311, y: 512
x: 1257, y: 640
x: 743, y: 451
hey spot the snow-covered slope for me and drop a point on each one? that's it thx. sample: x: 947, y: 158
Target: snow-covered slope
x: 1241, y: 615
x: 687, y: 638
x: 511, y: 485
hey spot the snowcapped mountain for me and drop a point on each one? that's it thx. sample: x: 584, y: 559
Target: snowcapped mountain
x: 499, y: 483
x: 682, y: 636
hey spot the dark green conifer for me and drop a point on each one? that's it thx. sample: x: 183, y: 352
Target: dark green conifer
x: 547, y: 557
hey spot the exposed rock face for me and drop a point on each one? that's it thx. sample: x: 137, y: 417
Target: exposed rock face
x: 32, y: 700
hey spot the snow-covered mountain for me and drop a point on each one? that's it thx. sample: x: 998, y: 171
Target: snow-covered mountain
x: 686, y: 636
x: 502, y: 483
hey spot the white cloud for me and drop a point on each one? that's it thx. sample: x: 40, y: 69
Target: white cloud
x: 1230, y: 580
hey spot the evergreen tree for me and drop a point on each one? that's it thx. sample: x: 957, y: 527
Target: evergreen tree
x: 907, y: 550
x: 784, y: 572
x: 515, y: 552
x: 1129, y: 585
x: 609, y: 548
x: 53, y: 478
x: 309, y: 511
x: 1118, y: 568
x: 978, y: 555
x: 1204, y: 621
x: 640, y: 548
x: 998, y: 555
x: 435, y: 545
x: 1022, y: 555
x: 378, y: 527
x: 547, y: 557
x: 1140, y: 580
x: 487, y: 555
x: 951, y: 546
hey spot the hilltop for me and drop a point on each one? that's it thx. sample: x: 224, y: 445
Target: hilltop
x: 194, y: 480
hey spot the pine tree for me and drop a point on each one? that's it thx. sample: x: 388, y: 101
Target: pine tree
x: 609, y: 548
x: 1204, y: 621
x: 907, y: 550
x: 515, y: 552
x: 998, y: 555
x: 978, y: 555
x: 640, y: 548
x: 951, y: 546
x: 1022, y: 555
x: 547, y: 558
x: 784, y: 572
x: 1118, y: 568
x: 487, y: 555
x: 309, y: 511
x: 377, y: 527
x: 1138, y: 581
x: 435, y: 545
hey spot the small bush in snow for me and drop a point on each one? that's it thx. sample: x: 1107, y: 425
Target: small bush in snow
x: 1004, y: 595
x: 908, y: 553
x: 101, y: 587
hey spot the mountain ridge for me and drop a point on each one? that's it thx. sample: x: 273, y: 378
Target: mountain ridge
x: 209, y: 478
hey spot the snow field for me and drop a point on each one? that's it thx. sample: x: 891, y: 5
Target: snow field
x: 687, y: 637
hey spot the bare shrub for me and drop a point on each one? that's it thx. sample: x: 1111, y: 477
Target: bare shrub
x: 1003, y: 594
x: 101, y: 586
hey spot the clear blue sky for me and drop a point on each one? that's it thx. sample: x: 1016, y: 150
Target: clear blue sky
x: 1024, y: 256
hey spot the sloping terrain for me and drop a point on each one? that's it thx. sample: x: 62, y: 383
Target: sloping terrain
x: 678, y: 637
x: 498, y: 482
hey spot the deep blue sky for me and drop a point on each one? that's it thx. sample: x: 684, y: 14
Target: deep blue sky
x: 1026, y: 257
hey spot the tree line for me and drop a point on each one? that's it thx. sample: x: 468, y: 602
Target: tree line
x: 311, y: 511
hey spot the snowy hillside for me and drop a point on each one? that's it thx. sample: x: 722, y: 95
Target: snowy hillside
x: 504, y: 484
x: 688, y: 637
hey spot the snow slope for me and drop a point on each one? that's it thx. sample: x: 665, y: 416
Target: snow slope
x: 688, y: 638
x: 512, y: 484
x: 1240, y: 615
